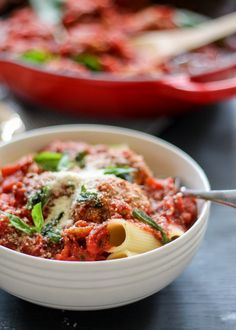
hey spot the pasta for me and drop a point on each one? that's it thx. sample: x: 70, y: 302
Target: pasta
x: 121, y: 254
x: 73, y: 201
x: 126, y: 236
x: 175, y: 231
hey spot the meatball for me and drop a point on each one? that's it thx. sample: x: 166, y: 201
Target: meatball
x: 115, y: 198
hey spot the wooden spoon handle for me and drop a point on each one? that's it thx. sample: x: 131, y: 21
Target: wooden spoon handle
x: 171, y: 43
x: 210, y: 31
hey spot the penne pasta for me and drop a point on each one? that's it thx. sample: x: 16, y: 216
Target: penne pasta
x: 126, y: 236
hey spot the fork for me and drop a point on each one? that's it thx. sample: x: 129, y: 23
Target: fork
x: 225, y: 197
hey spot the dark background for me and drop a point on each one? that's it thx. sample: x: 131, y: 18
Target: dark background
x: 208, y: 7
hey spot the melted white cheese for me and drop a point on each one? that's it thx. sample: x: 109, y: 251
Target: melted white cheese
x: 58, y: 180
x: 61, y: 204
x: 78, y: 179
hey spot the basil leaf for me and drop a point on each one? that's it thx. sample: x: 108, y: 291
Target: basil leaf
x: 48, y: 160
x: 41, y: 195
x: 49, y: 11
x: 53, y: 233
x: 123, y: 172
x: 142, y: 216
x: 65, y: 163
x: 80, y: 158
x: 90, y: 61
x: 53, y: 161
x: 36, y: 56
x: 18, y: 223
x: 54, y: 222
x: 37, y: 216
x: 86, y: 196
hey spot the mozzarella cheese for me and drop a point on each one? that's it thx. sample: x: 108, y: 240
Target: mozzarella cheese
x: 59, y: 180
x: 61, y: 204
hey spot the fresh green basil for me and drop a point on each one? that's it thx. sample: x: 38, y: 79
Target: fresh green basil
x: 42, y: 195
x: 142, y: 216
x: 90, y: 61
x: 52, y: 233
x: 53, y: 161
x: 86, y: 196
x: 80, y: 158
x: 48, y: 231
x: 48, y: 160
x: 64, y: 163
x: 123, y: 172
x: 36, y: 56
x: 19, y: 224
x: 37, y: 216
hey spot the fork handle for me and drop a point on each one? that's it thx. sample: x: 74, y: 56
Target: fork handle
x: 225, y: 197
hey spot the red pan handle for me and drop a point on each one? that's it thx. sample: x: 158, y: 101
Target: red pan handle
x: 211, y: 86
x: 200, y: 89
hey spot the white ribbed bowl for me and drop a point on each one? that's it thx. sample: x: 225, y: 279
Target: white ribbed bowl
x: 103, y: 284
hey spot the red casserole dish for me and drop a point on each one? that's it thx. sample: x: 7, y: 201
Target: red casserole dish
x: 107, y: 96
x: 106, y: 93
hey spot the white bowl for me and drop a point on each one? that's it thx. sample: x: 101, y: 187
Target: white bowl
x: 103, y: 284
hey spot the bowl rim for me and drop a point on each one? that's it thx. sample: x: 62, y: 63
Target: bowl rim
x: 31, y: 134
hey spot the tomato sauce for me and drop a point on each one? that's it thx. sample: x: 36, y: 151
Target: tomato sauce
x: 96, y: 39
x: 56, y: 204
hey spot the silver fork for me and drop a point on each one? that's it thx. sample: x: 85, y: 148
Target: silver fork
x: 225, y: 197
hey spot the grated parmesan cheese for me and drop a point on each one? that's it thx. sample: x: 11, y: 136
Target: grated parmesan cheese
x: 58, y: 180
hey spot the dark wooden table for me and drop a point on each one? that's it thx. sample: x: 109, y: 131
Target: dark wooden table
x: 204, y: 296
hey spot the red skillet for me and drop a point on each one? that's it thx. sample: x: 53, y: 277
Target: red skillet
x: 104, y: 95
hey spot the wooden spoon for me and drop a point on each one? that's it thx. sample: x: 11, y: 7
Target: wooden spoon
x: 158, y: 46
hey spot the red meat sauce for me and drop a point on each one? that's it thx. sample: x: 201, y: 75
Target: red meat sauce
x: 86, y: 237
x: 100, y: 29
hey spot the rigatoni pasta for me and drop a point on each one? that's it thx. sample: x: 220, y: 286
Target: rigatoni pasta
x: 175, y: 231
x: 121, y: 254
x: 127, y: 236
